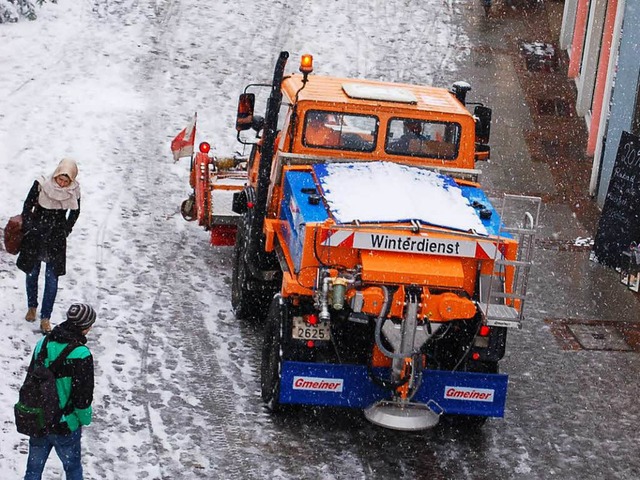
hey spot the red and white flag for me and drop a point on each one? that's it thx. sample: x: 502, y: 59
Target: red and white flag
x: 182, y: 145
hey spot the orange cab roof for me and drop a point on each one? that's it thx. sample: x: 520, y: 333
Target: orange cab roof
x: 373, y: 93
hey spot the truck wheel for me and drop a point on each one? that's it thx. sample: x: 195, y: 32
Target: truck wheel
x: 243, y: 301
x: 250, y: 297
x: 272, y: 348
x: 239, y: 292
x: 467, y: 422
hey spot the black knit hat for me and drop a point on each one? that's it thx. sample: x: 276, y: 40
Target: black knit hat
x: 81, y: 315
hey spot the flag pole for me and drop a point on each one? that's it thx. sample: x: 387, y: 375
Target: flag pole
x: 193, y: 150
x: 195, y: 123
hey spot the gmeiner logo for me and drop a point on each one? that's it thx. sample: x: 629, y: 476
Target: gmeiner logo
x: 318, y: 384
x: 469, y: 393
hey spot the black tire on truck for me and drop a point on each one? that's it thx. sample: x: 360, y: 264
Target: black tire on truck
x: 250, y: 297
x: 243, y: 300
x: 272, y: 351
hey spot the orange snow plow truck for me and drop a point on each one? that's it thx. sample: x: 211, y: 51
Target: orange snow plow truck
x: 385, y: 278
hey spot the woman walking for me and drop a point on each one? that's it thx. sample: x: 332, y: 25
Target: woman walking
x: 48, y: 216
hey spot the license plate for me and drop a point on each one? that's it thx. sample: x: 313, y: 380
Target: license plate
x: 304, y: 331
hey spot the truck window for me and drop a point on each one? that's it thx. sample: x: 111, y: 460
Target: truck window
x: 340, y: 131
x: 283, y: 115
x: 284, y: 118
x: 420, y: 138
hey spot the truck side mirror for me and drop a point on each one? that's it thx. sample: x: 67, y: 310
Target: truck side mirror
x: 244, y: 118
x: 483, y: 123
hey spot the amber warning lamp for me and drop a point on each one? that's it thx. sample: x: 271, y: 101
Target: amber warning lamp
x: 306, y: 65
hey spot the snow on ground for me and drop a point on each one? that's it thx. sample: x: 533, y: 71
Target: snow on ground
x: 109, y: 83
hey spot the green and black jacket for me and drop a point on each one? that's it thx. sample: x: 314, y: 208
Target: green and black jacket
x: 75, y: 380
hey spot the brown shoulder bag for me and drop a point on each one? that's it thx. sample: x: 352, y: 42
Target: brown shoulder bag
x: 13, y: 235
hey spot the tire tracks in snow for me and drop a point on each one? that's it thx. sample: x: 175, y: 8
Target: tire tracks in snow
x: 177, y: 344
x: 409, y: 49
x: 173, y: 319
x: 195, y: 410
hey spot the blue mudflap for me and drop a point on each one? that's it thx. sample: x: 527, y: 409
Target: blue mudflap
x: 350, y: 386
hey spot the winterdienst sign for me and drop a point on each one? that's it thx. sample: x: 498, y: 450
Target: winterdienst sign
x: 619, y: 223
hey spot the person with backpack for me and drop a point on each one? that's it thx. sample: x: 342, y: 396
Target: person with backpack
x: 50, y: 211
x: 55, y: 399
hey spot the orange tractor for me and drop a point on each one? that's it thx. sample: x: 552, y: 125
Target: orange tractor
x: 385, y: 277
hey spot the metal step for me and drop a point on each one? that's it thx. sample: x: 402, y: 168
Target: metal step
x: 504, y: 323
x: 502, y: 312
x: 527, y: 231
x: 501, y: 315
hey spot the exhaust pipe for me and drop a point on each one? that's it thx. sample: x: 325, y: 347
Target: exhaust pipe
x: 460, y: 89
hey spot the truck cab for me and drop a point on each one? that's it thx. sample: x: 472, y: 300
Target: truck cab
x: 369, y: 120
x: 380, y: 121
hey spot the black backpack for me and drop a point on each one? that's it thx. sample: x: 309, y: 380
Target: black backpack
x: 38, y: 409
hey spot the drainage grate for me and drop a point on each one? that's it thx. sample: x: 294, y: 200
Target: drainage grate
x: 599, y: 337
x: 540, y: 57
x: 558, y: 107
x: 572, y: 334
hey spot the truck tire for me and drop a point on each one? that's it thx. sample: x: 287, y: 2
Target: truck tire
x: 272, y: 348
x: 243, y: 301
x: 250, y: 297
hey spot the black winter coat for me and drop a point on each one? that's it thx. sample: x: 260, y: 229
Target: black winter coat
x: 45, y: 233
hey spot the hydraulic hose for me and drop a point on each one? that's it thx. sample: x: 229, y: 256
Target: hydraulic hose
x: 379, y: 321
x: 384, y: 311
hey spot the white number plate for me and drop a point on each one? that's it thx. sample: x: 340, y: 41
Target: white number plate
x: 303, y: 331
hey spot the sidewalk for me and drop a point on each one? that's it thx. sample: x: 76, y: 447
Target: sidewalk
x: 560, y: 136
x: 554, y: 135
x: 538, y: 148
x: 572, y: 410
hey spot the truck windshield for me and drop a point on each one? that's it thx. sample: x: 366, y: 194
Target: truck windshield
x: 421, y: 138
x: 340, y: 131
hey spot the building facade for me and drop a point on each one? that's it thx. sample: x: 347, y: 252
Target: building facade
x: 602, y: 38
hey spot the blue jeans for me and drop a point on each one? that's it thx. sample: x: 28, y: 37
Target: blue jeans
x: 68, y: 449
x: 50, y: 289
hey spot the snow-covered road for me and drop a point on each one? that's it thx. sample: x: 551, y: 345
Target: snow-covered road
x: 110, y: 83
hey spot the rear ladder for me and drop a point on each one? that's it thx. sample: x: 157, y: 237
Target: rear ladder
x: 519, y: 220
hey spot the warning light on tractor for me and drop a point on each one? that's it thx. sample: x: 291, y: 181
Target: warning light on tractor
x: 205, y: 147
x: 306, y: 64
